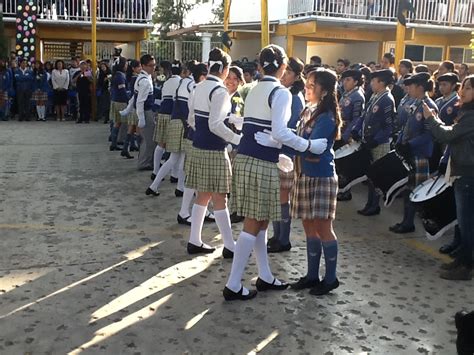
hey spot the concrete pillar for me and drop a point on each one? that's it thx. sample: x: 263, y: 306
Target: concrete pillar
x: 178, y: 52
x: 206, y: 46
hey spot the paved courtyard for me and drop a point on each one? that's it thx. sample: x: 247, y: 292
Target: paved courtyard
x: 89, y: 264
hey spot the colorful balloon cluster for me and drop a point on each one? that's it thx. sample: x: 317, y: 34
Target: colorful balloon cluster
x: 26, y: 29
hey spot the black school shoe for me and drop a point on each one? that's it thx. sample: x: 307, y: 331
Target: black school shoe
x: 399, y: 228
x: 227, y: 254
x: 371, y: 211
x: 265, y: 286
x: 276, y: 247
x: 186, y: 221
x: 152, y: 177
x: 178, y: 193
x: 126, y: 154
x: 344, y: 196
x: 149, y: 192
x: 324, y: 288
x: 173, y: 180
x: 230, y: 295
x: 304, y: 282
x: 234, y: 218
x: 194, y: 249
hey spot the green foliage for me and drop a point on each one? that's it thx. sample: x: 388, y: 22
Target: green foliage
x: 218, y: 13
x: 169, y: 15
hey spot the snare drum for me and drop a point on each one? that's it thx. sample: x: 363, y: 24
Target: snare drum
x: 434, y: 200
x: 352, y: 163
x: 390, y: 175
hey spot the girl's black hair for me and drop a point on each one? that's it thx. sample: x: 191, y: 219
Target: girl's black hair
x: 217, y: 55
x: 199, y: 70
x: 327, y: 79
x: 238, y: 72
x: 59, y: 61
x: 176, y: 67
x: 271, y: 58
x: 469, y: 105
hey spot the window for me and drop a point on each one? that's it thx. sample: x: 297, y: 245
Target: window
x: 433, y: 54
x: 414, y: 53
x: 468, y: 55
x: 456, y: 54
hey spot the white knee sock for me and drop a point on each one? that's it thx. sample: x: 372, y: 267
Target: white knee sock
x: 261, y: 255
x: 181, y: 175
x: 243, y: 248
x: 223, y: 223
x: 174, y: 171
x: 159, y: 151
x: 165, y: 169
x: 38, y: 110
x: 197, y: 220
x: 188, y: 195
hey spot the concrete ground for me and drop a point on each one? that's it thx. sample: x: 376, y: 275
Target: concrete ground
x: 89, y: 264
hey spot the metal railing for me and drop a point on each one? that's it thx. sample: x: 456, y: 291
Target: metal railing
x: 128, y: 11
x: 434, y: 12
x: 165, y: 49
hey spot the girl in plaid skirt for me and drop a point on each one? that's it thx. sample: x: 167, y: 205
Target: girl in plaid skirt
x: 209, y: 171
x: 40, y: 90
x: 415, y: 144
x: 256, y: 183
x: 314, y: 193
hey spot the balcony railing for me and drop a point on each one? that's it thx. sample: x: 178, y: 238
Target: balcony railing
x: 433, y: 12
x: 120, y: 11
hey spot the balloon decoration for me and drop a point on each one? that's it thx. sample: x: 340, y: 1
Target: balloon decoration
x: 26, y: 29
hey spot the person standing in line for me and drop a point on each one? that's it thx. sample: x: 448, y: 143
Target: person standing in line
x: 84, y: 92
x: 293, y: 80
x: 210, y: 171
x: 314, y: 195
x: 60, y: 81
x: 40, y: 90
x: 119, y: 99
x: 144, y: 100
x: 103, y: 92
x: 172, y: 72
x: 255, y: 180
x: 74, y: 71
x: 24, y: 83
x: 5, y: 83
x: 463, y: 71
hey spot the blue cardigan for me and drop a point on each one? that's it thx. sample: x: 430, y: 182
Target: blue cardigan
x: 321, y: 165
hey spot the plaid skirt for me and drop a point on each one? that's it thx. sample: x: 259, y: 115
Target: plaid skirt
x: 132, y: 119
x: 314, y: 197
x: 174, y: 137
x: 189, y: 151
x: 161, y: 129
x: 286, y: 179
x: 114, y: 114
x: 420, y: 172
x: 209, y: 171
x: 255, y: 189
x: 380, y: 151
x: 3, y: 96
x: 39, y: 95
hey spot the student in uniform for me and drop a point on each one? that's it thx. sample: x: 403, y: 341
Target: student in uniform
x: 40, y: 90
x: 168, y: 92
x: 144, y: 101
x: 118, y: 98
x: 174, y: 136
x: 460, y: 138
x: 374, y: 129
x: 132, y: 118
x: 199, y: 73
x: 5, y: 84
x: 24, y: 84
x: 314, y: 194
x: 448, y: 103
x: 293, y: 80
x: 84, y: 93
x: 209, y: 169
x: 415, y: 144
x: 255, y: 181
x: 60, y: 79
x: 352, y: 106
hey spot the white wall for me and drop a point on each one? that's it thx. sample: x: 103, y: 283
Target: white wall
x: 362, y: 52
x: 245, y: 48
x: 250, y: 11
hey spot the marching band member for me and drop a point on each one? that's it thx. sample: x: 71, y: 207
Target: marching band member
x: 174, y: 136
x: 415, y: 144
x: 460, y: 138
x: 209, y: 169
x: 255, y: 183
x: 168, y: 93
x: 352, y: 106
x: 314, y: 196
x: 448, y: 103
x: 293, y: 80
x: 144, y: 101
x: 374, y: 129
